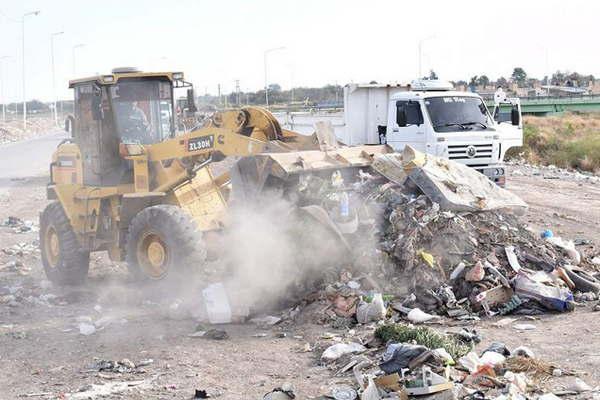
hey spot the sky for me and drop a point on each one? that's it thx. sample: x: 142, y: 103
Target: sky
x: 220, y: 41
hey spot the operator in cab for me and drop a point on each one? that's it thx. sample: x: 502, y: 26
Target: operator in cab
x: 135, y: 126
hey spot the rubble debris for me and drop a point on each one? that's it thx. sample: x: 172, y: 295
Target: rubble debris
x: 567, y: 246
x: 201, y: 394
x: 582, y: 281
x: 455, y: 186
x: 498, y: 347
x: 399, y: 356
x: 579, y: 386
x: 375, y: 310
x: 475, y: 273
x: 86, y: 329
x: 524, y: 351
x: 93, y: 391
x: 524, y: 327
x: 427, y: 383
x: 343, y: 393
x: 214, y: 334
x: 338, y: 350
x: 285, y: 392
x: 551, y: 297
x: 265, y: 321
x: 123, y: 366
x: 20, y: 226
x: 417, y: 316
x: 370, y: 392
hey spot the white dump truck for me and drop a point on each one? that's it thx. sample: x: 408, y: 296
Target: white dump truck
x: 428, y: 115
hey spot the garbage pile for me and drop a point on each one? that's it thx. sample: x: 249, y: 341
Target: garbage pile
x: 20, y: 226
x: 419, y: 361
x: 438, y: 239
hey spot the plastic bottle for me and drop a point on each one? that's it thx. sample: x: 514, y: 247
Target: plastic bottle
x: 344, y: 205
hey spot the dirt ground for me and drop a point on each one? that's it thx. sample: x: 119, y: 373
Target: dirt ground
x: 43, y: 354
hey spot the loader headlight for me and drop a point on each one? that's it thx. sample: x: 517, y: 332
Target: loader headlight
x: 108, y: 78
x: 177, y: 76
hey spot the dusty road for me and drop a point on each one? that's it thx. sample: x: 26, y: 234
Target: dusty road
x: 42, y: 352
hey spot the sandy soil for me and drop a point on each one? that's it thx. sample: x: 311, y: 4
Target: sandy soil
x: 42, y: 352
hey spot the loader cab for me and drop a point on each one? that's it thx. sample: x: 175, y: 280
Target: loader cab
x: 126, y: 106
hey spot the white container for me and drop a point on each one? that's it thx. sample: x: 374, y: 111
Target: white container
x: 217, y: 304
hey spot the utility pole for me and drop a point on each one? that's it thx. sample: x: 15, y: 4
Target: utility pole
x: 23, y: 55
x: 237, y: 92
x: 421, y: 54
x: 266, y: 81
x: 219, y: 93
x: 2, y: 88
x: 54, y: 74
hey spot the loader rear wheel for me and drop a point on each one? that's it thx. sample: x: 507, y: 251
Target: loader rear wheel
x: 163, y: 241
x: 65, y: 261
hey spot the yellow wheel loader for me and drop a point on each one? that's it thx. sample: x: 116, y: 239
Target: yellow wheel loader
x: 128, y: 183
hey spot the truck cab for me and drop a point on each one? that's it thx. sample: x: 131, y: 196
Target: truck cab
x: 449, y: 124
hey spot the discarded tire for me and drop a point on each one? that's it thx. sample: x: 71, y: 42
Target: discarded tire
x: 65, y: 261
x: 163, y: 241
x: 583, y: 281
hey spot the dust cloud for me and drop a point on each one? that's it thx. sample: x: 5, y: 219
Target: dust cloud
x: 276, y: 253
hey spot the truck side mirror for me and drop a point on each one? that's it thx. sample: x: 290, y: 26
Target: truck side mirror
x: 401, y: 116
x: 515, y: 118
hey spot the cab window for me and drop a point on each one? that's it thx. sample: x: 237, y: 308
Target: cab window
x: 143, y: 110
x: 412, y: 111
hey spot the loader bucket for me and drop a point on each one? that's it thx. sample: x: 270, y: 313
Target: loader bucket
x: 251, y: 175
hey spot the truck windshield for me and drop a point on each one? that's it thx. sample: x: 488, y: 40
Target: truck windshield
x: 143, y: 110
x: 449, y: 113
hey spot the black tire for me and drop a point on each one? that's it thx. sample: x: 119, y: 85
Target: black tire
x: 173, y: 231
x: 583, y: 281
x: 65, y: 261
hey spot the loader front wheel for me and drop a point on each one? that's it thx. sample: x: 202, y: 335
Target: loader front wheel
x: 65, y: 261
x: 163, y: 241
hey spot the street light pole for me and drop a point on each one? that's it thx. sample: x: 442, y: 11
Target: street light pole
x: 421, y: 54
x: 54, y: 74
x: 77, y: 46
x: 266, y: 82
x: 2, y: 88
x: 24, y: 94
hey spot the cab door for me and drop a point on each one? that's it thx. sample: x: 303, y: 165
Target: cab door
x: 406, y: 125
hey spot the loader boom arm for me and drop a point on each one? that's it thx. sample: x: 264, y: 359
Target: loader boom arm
x: 234, y: 133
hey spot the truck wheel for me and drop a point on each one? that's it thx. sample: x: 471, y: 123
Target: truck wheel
x: 65, y: 261
x: 163, y: 241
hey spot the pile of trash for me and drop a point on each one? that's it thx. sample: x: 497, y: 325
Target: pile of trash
x: 419, y: 361
x: 20, y: 226
x: 448, y: 242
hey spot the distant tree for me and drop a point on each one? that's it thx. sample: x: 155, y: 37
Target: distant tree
x: 558, y: 78
x: 274, y: 87
x: 545, y: 80
x: 432, y: 75
x: 483, y: 80
x: 519, y: 76
x: 501, y: 82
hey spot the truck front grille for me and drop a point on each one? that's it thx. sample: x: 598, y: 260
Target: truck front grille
x: 469, y: 152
